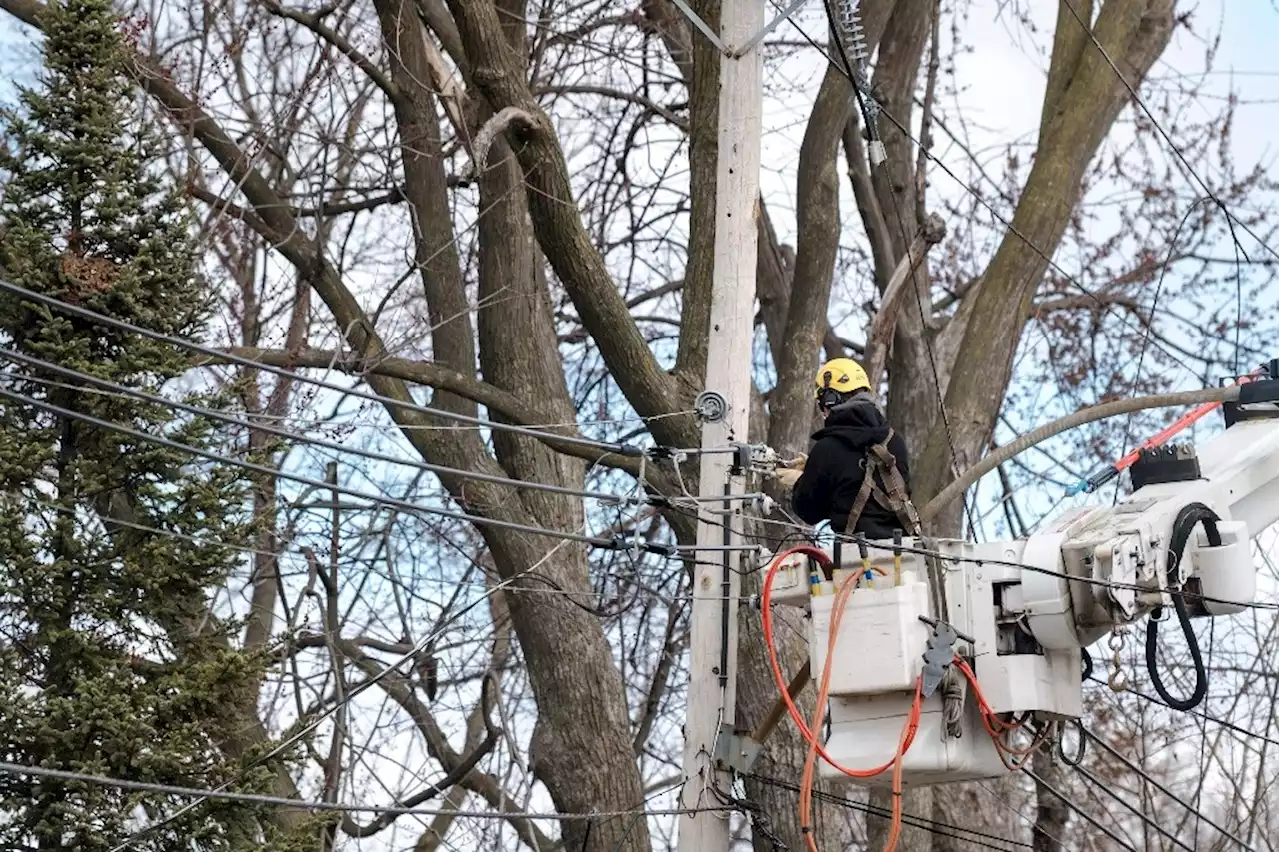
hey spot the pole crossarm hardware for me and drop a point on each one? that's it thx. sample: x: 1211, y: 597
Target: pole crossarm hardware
x: 727, y: 48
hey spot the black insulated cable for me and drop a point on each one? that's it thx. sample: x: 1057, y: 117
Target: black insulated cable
x: 1183, y: 525
x: 231, y: 358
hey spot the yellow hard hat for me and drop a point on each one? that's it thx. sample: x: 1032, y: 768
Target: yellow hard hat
x: 843, y: 375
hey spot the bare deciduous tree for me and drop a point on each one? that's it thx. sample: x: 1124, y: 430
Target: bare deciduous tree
x: 509, y: 205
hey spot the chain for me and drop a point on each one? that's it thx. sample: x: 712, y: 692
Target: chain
x: 1117, y: 680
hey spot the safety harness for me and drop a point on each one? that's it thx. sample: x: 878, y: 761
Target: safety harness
x: 895, y: 499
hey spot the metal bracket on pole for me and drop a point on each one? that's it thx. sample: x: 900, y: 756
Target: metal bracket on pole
x: 745, y: 48
x: 785, y: 14
x: 736, y: 751
x: 697, y: 21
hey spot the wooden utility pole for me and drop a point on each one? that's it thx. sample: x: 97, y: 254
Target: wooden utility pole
x: 713, y: 666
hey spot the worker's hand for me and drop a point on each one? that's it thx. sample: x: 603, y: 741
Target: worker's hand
x: 796, y: 463
x: 787, y: 477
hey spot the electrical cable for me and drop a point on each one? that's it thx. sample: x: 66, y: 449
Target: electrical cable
x: 1094, y: 738
x: 1110, y: 791
x: 1073, y: 806
x: 941, y: 829
x: 668, y: 550
x: 869, y: 120
x: 322, y: 807
x: 1230, y: 726
x: 232, y: 358
x: 1183, y: 525
x: 1231, y: 220
x: 1151, y: 316
x: 123, y: 390
x: 1080, y: 747
x: 411, y: 655
x: 1005, y: 223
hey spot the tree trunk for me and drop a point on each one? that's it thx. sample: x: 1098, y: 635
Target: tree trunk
x: 1052, y: 814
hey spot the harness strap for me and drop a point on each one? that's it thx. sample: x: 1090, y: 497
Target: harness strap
x: 895, y: 500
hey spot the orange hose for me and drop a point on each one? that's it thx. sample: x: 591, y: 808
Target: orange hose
x: 996, y: 727
x: 908, y: 733
x: 820, y: 707
x: 792, y: 710
x: 909, y: 729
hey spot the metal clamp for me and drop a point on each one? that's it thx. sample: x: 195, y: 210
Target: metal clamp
x: 938, y: 654
x: 736, y: 750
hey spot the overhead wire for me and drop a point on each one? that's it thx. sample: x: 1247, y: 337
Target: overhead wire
x: 410, y: 655
x: 1132, y: 767
x: 1231, y: 726
x: 1146, y: 337
x: 1232, y: 221
x: 323, y: 807
x: 869, y: 120
x: 951, y: 831
x: 1109, y: 789
x: 232, y: 358
x: 1079, y: 810
x: 982, y: 201
x: 669, y: 550
x: 120, y: 390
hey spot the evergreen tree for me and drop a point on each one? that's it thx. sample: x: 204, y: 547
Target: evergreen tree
x: 109, y: 545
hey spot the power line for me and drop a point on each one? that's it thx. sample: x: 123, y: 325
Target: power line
x: 1137, y: 769
x: 118, y: 389
x: 1079, y: 810
x: 322, y: 807
x: 1198, y: 713
x: 1169, y: 141
x: 1230, y: 219
x: 229, y: 357
x: 869, y: 119
x: 1148, y: 332
x: 618, y: 543
x: 942, y: 829
x: 1106, y: 788
x: 1006, y: 223
x: 410, y: 655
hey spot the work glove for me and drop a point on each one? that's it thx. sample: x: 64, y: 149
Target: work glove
x: 796, y: 463
x: 787, y: 477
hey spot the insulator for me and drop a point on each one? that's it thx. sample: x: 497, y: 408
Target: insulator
x: 851, y: 30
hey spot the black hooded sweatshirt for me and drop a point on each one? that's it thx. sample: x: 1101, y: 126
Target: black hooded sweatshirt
x: 835, y: 469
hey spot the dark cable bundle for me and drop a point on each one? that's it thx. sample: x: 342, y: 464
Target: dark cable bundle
x: 1183, y: 525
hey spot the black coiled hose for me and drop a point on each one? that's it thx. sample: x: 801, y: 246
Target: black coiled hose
x: 1183, y: 525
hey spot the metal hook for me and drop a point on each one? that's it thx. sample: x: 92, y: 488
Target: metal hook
x: 1116, y: 679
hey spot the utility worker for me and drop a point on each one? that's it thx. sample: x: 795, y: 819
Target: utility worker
x: 855, y: 476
